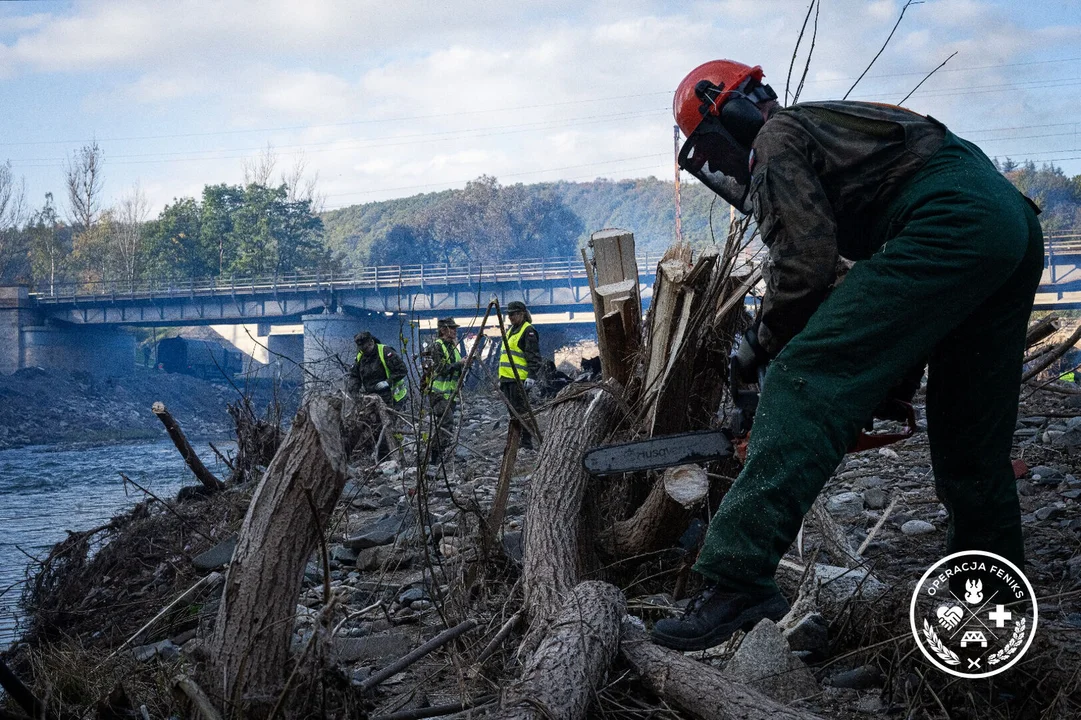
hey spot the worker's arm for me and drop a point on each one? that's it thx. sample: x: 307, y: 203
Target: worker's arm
x: 797, y: 225
x: 395, y: 366
x: 529, y: 344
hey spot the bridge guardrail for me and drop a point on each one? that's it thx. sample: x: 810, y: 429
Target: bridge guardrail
x: 373, y: 277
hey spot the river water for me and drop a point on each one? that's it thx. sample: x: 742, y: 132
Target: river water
x: 46, y: 490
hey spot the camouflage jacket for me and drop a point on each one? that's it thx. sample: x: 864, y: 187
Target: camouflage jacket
x: 821, y: 175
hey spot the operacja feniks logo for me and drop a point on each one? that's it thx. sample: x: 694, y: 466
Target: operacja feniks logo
x: 973, y: 614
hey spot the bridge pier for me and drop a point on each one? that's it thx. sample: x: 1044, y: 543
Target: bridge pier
x: 101, y: 351
x: 286, y: 355
x: 329, y: 349
x: 28, y: 339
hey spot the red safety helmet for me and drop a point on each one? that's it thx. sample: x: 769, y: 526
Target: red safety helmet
x: 691, y: 102
x: 719, y: 107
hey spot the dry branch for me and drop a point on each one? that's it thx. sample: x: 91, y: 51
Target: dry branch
x: 696, y: 688
x: 1047, y: 360
x: 560, y: 679
x: 207, y: 478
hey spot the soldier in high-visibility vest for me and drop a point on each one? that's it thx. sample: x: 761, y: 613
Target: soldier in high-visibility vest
x: 521, y: 356
x: 443, y: 362
x: 378, y: 370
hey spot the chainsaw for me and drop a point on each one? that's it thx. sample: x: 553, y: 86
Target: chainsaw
x: 709, y: 445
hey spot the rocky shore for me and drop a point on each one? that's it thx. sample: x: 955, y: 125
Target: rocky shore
x: 39, y: 407
x: 397, y: 562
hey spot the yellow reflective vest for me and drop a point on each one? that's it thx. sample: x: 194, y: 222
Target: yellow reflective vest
x: 447, y: 385
x: 399, y: 390
x: 511, y: 354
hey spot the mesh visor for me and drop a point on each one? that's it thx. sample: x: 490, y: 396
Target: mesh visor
x: 713, y: 156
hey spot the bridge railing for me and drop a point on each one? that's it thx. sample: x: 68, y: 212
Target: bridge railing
x: 373, y: 277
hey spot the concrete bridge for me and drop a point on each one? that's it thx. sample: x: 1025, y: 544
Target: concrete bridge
x: 78, y: 326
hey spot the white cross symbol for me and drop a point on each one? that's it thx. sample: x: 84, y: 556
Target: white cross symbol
x: 999, y: 615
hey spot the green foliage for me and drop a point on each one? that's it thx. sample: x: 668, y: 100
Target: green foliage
x: 1058, y: 196
x: 244, y: 231
x: 50, y: 245
x: 486, y: 221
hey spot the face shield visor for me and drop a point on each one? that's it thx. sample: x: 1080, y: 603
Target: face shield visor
x: 719, y: 161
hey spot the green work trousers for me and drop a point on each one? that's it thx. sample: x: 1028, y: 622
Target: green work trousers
x: 959, y: 257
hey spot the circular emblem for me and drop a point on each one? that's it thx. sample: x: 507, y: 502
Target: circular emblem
x: 973, y: 614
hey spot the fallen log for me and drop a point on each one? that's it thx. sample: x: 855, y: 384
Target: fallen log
x: 1042, y: 328
x: 550, y: 538
x: 561, y: 678
x: 696, y: 688
x: 664, y: 515
x: 1047, y: 360
x: 207, y: 478
x: 249, y: 650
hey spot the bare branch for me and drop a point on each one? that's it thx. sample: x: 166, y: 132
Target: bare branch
x: 259, y: 170
x: 795, y: 50
x: 82, y: 173
x: 921, y: 82
x: 880, y: 50
x: 810, y: 54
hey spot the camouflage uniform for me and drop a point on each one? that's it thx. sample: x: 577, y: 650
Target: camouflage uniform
x: 949, y: 256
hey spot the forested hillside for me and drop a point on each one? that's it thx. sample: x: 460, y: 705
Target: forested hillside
x: 490, y: 221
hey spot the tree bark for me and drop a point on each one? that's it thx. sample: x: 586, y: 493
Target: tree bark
x: 698, y: 689
x: 551, y: 565
x: 664, y: 515
x: 207, y: 478
x: 250, y: 645
x: 561, y: 677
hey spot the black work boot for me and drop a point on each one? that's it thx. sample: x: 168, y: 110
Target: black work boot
x: 713, y: 615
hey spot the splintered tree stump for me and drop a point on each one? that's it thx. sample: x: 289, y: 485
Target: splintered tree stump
x: 550, y: 538
x: 249, y: 650
x: 698, y: 689
x: 664, y: 515
x: 561, y: 678
x: 207, y: 478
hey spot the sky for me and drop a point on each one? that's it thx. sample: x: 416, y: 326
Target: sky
x: 380, y: 100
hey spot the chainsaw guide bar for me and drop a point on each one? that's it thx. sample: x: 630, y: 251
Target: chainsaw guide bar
x: 658, y: 452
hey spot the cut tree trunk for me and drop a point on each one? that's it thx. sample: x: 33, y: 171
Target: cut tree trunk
x: 250, y: 645
x: 696, y: 688
x: 561, y: 678
x: 664, y: 515
x: 551, y: 564
x: 207, y: 478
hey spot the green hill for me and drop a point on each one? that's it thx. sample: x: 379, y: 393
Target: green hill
x: 644, y: 206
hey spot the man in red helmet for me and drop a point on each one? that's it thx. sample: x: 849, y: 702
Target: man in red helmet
x: 948, y: 255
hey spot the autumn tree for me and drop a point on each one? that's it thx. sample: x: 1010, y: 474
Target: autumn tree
x: 50, y: 244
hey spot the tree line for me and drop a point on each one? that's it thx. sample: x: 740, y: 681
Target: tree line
x: 259, y: 227
x: 274, y: 225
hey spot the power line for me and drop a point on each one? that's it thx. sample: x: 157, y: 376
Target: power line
x: 516, y: 108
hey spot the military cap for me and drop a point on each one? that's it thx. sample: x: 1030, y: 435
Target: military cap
x: 516, y: 306
x: 448, y: 322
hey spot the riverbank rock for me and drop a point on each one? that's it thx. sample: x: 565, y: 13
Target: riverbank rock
x: 765, y: 662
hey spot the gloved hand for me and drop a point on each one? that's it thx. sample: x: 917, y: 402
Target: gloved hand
x: 748, y: 357
x: 529, y: 383
x: 382, y: 385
